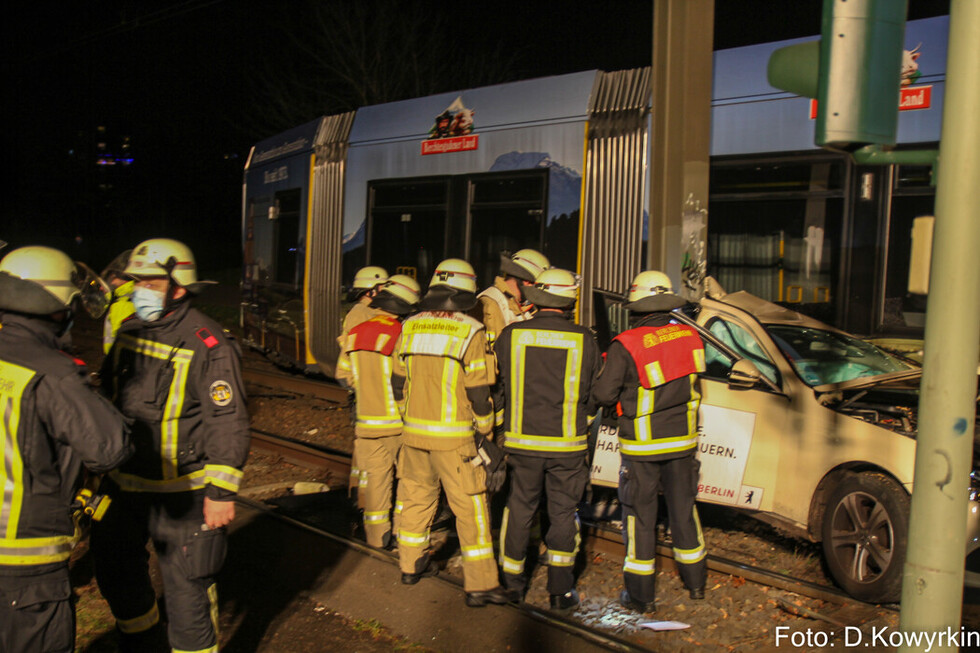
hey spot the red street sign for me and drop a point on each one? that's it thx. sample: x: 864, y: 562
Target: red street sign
x: 453, y: 144
x: 911, y: 98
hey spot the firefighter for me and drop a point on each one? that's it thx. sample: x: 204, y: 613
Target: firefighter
x: 177, y: 375
x: 503, y: 303
x: 544, y: 408
x: 448, y: 421
x: 367, y: 281
x: 53, y: 424
x: 651, y: 374
x: 120, y: 304
x: 366, y: 367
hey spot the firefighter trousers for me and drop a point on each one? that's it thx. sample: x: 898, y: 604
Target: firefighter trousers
x: 376, y: 459
x: 420, y: 473
x: 640, y: 483
x: 189, y: 554
x: 563, y: 481
x: 36, y: 611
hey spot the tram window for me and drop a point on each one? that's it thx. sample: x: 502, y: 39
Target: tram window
x: 775, y: 229
x: 407, y: 225
x: 412, y: 242
x: 899, y: 308
x: 773, y: 177
x: 496, y: 230
x: 523, y: 188
x: 410, y: 193
x: 507, y: 212
x: 288, y: 254
x: 913, y: 177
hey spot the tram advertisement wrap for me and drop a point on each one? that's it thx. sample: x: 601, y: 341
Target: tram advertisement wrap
x: 724, y: 439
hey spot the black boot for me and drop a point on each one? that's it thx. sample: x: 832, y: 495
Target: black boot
x: 565, y: 603
x: 497, y: 595
x: 630, y: 603
x: 152, y: 640
x: 424, y: 568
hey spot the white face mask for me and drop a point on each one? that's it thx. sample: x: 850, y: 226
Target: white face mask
x: 148, y: 303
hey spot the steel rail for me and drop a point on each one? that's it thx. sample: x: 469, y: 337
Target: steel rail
x: 572, y: 627
x: 294, y: 383
x: 301, y: 453
x: 597, y: 538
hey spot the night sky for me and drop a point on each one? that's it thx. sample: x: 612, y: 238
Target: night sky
x: 188, y: 83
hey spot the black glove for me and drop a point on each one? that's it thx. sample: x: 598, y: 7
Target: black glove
x: 493, y: 462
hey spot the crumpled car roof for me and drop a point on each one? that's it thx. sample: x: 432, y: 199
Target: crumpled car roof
x: 762, y: 310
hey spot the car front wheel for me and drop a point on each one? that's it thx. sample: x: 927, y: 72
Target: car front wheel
x: 865, y: 535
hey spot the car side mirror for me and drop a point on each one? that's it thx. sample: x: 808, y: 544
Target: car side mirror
x: 744, y: 374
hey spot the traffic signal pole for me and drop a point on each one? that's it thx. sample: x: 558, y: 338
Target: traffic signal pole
x: 932, y: 587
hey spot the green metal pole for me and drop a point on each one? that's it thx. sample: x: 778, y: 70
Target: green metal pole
x: 932, y: 587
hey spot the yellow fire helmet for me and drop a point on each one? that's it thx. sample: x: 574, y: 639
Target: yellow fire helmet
x: 399, y: 295
x: 41, y: 280
x: 651, y: 291
x: 453, y: 287
x: 165, y: 257
x: 368, y: 277
x: 525, y: 264
x: 454, y: 273
x: 554, y: 288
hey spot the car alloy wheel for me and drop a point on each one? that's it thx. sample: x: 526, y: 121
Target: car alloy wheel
x: 865, y: 535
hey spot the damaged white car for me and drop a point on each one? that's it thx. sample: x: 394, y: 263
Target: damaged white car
x: 808, y: 428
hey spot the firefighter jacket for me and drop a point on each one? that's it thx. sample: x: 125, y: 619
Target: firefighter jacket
x: 179, y: 378
x: 448, y: 371
x: 51, y: 424
x: 542, y: 397
x: 499, y: 309
x: 651, y: 375
x: 120, y: 309
x: 367, y: 366
x: 359, y: 312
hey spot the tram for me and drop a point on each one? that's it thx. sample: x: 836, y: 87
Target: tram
x: 560, y: 164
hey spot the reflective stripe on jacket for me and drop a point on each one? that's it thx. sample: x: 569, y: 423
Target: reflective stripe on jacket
x: 51, y: 424
x: 367, y: 363
x: 120, y: 309
x: 543, y: 392
x: 179, y: 378
x: 658, y: 423
x: 443, y: 356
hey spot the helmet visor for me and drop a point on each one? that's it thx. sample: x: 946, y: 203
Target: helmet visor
x: 93, y: 291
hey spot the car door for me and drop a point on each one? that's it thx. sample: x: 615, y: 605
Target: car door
x: 740, y: 430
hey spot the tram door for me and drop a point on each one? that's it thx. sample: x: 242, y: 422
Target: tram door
x: 406, y: 232
x: 414, y: 223
x: 286, y: 236
x: 507, y: 211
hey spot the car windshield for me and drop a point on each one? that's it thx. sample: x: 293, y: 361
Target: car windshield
x: 822, y: 357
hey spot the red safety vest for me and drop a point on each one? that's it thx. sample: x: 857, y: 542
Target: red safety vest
x: 377, y: 334
x: 665, y: 353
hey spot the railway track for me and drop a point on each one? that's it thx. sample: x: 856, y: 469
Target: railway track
x: 597, y: 537
x: 322, y: 389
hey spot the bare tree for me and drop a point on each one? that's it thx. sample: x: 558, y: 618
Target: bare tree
x: 342, y: 54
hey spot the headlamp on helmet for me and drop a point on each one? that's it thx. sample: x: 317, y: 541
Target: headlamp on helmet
x: 452, y: 288
x: 165, y: 257
x: 554, y: 288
